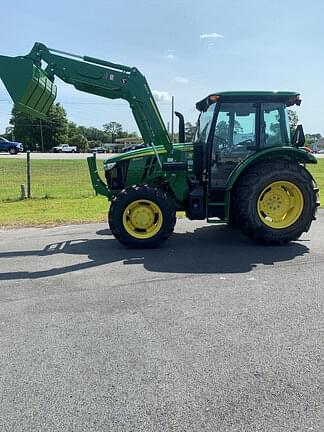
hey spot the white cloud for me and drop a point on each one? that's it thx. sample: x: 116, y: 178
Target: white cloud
x: 162, y: 96
x: 210, y: 35
x: 170, y: 56
x: 181, y: 80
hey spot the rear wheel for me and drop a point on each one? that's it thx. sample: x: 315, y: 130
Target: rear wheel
x: 275, y: 202
x: 142, y: 217
x: 13, y: 151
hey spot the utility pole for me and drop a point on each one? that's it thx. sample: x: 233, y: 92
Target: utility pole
x: 172, y: 119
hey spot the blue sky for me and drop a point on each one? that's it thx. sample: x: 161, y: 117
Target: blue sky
x: 185, y: 48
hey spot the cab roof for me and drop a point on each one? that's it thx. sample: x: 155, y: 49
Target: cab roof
x: 288, y: 97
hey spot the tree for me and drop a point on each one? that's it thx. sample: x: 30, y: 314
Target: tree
x: 190, y: 132
x: 237, y: 127
x: 80, y: 141
x: 221, y: 130
x: 9, y: 135
x: 311, y: 139
x: 28, y: 129
x: 293, y: 120
x: 114, y: 128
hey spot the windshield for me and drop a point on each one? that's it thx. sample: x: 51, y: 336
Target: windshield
x: 3, y: 139
x: 204, y: 123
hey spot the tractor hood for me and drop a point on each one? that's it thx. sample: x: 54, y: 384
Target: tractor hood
x: 147, y: 151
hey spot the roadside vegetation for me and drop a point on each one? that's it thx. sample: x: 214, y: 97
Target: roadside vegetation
x: 62, y: 193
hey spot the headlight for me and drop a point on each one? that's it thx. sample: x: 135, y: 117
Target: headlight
x: 109, y: 166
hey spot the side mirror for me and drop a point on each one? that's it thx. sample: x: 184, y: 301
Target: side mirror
x: 298, y: 139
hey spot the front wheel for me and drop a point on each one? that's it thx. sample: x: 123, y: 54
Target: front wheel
x: 275, y: 202
x: 13, y: 151
x: 142, y: 217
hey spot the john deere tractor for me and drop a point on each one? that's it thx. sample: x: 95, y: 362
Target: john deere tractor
x: 243, y: 168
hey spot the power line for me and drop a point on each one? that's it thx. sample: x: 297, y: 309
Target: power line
x: 94, y: 103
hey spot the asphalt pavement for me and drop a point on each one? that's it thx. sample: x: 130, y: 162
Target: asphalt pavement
x: 210, y: 332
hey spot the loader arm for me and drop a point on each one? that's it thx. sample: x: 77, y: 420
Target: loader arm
x: 87, y: 74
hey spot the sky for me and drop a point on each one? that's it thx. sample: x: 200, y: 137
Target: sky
x: 187, y: 49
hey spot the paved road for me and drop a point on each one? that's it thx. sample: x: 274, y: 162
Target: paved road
x: 208, y: 333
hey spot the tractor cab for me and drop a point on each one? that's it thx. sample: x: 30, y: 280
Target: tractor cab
x: 234, y: 125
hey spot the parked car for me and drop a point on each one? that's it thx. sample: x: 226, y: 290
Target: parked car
x: 132, y: 147
x: 64, y: 148
x: 321, y: 151
x: 11, y: 147
x: 98, y: 150
x: 308, y: 149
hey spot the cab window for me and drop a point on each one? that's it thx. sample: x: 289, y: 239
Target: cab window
x: 274, y: 125
x: 235, y: 128
x: 204, y: 124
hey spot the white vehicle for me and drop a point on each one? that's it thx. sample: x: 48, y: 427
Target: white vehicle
x: 64, y: 148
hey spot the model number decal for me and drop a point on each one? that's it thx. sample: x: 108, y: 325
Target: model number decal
x: 108, y: 76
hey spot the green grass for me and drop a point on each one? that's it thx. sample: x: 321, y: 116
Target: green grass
x: 50, y: 178
x: 53, y: 211
x: 318, y: 173
x: 62, y: 193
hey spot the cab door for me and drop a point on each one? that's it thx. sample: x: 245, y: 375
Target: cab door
x: 234, y: 137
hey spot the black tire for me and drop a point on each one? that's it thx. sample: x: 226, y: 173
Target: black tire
x: 13, y: 151
x: 120, y: 205
x: 251, y: 189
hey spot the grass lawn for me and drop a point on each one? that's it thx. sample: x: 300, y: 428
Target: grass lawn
x: 50, y: 178
x: 318, y: 173
x: 53, y: 211
x: 62, y: 193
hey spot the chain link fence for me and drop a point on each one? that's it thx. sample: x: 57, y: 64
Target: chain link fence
x: 49, y: 178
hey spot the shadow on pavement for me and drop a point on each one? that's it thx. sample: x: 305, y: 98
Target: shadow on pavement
x: 209, y: 249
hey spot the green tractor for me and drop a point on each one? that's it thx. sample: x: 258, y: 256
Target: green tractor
x: 243, y: 168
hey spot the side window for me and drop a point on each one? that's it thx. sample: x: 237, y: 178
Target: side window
x: 274, y: 125
x: 221, y: 136
x: 235, y: 128
x: 204, y: 124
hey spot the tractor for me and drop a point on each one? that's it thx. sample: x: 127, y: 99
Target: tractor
x: 243, y: 168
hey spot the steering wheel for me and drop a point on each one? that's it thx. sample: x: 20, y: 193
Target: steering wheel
x: 245, y: 143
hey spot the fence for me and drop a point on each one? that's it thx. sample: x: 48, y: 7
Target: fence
x: 49, y: 178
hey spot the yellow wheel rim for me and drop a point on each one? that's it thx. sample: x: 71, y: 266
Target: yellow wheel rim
x: 280, y: 204
x: 142, y: 219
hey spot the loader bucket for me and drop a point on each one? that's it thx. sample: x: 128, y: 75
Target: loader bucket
x: 29, y: 87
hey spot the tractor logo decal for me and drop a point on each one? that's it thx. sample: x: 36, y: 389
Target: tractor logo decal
x: 108, y: 76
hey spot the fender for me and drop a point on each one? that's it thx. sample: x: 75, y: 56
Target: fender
x: 286, y: 152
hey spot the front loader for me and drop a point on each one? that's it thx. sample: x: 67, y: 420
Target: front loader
x: 243, y: 168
